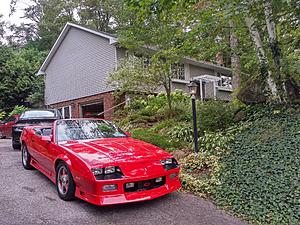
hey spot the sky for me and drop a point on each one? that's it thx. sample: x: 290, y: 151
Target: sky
x: 5, y: 10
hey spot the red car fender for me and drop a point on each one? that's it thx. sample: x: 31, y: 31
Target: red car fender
x: 64, y: 158
x: 81, y: 173
x: 24, y: 136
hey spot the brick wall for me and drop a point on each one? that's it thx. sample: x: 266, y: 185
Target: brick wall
x: 107, y: 99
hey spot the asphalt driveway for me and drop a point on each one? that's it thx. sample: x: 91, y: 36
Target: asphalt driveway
x: 28, y: 197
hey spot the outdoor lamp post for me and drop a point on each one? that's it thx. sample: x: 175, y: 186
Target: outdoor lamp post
x: 193, y: 91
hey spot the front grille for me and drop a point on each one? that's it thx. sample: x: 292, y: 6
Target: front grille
x: 145, y: 185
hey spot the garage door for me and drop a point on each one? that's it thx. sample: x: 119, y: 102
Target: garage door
x: 92, y: 110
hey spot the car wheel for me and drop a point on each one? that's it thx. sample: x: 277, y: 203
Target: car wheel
x: 64, y: 182
x: 2, y: 136
x: 26, y: 158
x: 16, y: 146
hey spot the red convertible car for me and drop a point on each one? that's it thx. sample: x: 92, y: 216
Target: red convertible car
x: 95, y: 161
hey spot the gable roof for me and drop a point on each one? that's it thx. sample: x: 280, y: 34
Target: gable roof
x: 112, y: 40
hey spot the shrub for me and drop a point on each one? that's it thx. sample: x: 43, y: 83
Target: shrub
x: 155, y: 139
x: 214, y: 115
x: 164, y: 126
x: 17, y: 110
x: 2, y: 115
x: 182, y: 132
x: 157, y: 105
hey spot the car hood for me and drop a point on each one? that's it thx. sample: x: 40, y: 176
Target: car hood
x: 118, y: 151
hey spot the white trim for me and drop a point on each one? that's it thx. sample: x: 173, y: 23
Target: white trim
x: 116, y: 58
x: 215, y: 89
x: 63, y: 111
x: 70, y: 111
x: 111, y: 38
x: 180, y: 81
x: 224, y: 89
x: 201, y: 90
x: 92, y: 103
x: 207, y: 78
x: 187, y: 72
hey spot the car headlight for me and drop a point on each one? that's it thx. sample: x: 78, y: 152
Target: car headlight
x: 169, y: 163
x: 97, y: 171
x: 106, y: 173
x: 109, y: 169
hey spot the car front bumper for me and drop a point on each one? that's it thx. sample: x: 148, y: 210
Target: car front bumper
x: 120, y: 196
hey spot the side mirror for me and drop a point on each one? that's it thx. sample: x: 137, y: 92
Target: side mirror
x: 47, y: 139
x: 128, y: 134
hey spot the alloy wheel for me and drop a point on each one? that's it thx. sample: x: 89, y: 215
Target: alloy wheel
x: 63, y: 180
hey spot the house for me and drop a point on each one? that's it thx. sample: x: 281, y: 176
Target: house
x: 78, y: 65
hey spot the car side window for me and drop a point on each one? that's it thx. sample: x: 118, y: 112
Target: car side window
x: 38, y: 131
x: 47, y: 131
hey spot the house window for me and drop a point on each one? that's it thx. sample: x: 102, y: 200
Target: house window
x: 178, y: 71
x: 65, y: 112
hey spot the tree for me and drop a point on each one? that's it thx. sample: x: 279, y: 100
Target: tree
x: 2, y: 28
x: 18, y: 68
x: 143, y: 75
x: 99, y: 14
x: 260, y: 35
x: 46, y: 18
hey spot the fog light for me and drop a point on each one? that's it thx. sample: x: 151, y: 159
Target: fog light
x: 129, y: 185
x: 110, y: 187
x: 173, y: 175
x: 159, y: 179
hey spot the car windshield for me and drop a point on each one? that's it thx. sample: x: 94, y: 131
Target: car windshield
x: 67, y: 130
x: 38, y: 114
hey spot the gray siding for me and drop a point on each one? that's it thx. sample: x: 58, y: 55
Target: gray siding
x: 80, y: 67
x: 180, y: 86
x: 198, y: 71
x: 224, y: 95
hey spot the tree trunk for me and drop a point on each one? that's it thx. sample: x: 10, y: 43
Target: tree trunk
x: 265, y: 72
x: 275, y: 48
x: 235, y: 58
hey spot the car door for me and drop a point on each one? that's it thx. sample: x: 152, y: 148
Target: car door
x: 43, y: 148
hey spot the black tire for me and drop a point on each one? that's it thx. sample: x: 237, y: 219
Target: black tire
x: 2, y: 136
x: 16, y: 146
x: 66, y: 194
x: 26, y: 158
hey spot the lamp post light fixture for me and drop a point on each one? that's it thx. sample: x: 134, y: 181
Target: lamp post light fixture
x: 193, y: 91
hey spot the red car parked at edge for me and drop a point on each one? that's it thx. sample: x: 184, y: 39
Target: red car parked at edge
x: 95, y: 161
x: 6, y: 126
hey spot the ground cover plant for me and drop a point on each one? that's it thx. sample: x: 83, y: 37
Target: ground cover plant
x: 259, y: 177
x: 248, y: 161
